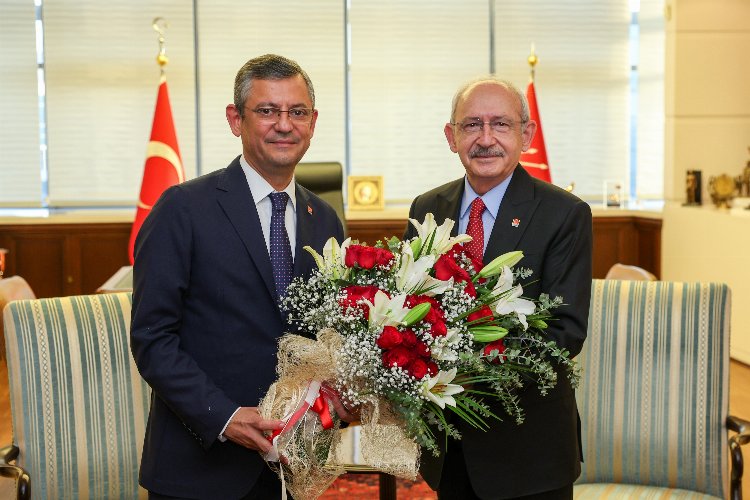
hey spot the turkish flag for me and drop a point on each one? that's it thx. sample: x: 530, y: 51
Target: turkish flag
x: 163, y: 163
x: 535, y: 159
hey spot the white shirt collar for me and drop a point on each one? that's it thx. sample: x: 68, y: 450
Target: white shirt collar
x: 260, y: 188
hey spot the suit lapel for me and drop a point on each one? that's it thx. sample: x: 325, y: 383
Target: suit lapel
x: 514, y: 216
x: 449, y: 203
x: 238, y: 205
x: 305, y: 230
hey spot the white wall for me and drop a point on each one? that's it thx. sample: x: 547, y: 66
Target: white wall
x: 707, y: 94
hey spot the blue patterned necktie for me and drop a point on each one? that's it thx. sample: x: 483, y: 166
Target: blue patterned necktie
x: 281, y: 250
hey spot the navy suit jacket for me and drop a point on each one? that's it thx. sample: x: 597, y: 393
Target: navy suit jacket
x: 554, y: 230
x: 205, y: 326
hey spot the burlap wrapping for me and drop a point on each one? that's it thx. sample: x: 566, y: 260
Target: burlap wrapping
x: 383, y: 443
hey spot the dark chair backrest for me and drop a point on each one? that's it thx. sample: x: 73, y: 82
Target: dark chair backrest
x: 325, y: 179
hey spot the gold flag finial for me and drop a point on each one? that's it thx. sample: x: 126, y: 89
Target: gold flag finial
x: 533, y: 59
x: 160, y: 25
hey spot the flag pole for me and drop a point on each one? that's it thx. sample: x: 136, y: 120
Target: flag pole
x: 163, y: 167
x: 160, y: 25
x: 532, y: 59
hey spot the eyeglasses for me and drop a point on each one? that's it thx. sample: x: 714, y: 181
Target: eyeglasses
x: 272, y: 115
x: 474, y: 126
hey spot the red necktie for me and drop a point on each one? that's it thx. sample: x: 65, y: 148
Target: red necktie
x: 475, y: 247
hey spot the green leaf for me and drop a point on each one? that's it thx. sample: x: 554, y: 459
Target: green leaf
x: 416, y: 247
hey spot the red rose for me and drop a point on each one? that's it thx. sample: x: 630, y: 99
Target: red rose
x: 421, y: 349
x: 438, y: 329
x: 432, y: 368
x: 383, y: 257
x: 417, y: 368
x: 398, y: 356
x: 470, y: 290
x: 494, y: 348
x: 355, y: 295
x: 408, y: 338
x: 362, y: 256
x: 446, y: 267
x: 389, y: 338
x: 482, y: 312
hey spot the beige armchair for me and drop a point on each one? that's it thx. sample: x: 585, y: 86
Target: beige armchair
x: 79, y: 405
x: 654, y: 396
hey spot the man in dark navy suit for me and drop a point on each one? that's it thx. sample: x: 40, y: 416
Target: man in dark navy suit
x: 540, y: 458
x: 211, y: 263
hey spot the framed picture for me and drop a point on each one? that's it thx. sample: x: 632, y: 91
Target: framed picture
x: 365, y: 192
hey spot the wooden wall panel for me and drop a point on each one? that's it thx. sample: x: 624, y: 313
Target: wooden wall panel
x: 71, y: 259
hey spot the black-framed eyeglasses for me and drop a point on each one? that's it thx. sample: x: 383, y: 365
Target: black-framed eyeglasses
x: 474, y: 126
x: 272, y: 115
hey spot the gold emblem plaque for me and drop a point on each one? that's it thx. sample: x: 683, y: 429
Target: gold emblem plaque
x: 365, y: 192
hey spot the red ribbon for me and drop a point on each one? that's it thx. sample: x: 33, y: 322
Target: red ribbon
x: 320, y: 406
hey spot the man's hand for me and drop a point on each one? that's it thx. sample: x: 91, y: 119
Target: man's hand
x: 247, y: 428
x: 346, y: 414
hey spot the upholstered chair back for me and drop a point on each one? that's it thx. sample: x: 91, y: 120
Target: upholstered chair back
x: 654, y: 394
x: 78, y: 404
x: 326, y: 179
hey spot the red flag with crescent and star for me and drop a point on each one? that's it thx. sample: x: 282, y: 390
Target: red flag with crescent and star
x: 163, y: 162
x: 535, y: 159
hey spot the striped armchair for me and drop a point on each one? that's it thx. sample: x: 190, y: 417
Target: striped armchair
x: 78, y: 404
x: 654, y: 393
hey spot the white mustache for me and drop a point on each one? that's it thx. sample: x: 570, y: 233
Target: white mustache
x: 480, y: 152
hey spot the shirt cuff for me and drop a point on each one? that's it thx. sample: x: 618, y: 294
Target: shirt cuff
x: 222, y: 438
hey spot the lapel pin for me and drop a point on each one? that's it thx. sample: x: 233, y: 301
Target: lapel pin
x: 309, y: 209
x: 516, y: 222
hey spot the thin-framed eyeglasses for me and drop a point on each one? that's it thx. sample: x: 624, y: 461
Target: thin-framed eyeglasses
x: 270, y: 114
x: 474, y: 126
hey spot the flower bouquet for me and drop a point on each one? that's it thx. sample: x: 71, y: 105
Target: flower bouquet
x: 413, y: 330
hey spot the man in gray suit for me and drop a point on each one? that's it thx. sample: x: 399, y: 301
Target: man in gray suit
x: 539, y: 459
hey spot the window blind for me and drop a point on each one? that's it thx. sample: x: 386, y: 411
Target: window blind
x: 102, y: 81
x: 20, y: 180
x: 408, y: 59
x: 311, y: 33
x: 581, y: 83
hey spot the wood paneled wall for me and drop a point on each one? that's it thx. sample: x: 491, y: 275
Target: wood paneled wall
x: 73, y: 259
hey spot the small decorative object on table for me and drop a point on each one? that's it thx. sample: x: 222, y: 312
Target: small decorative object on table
x: 612, y: 193
x: 693, y: 188
x: 722, y: 189
x: 409, y: 331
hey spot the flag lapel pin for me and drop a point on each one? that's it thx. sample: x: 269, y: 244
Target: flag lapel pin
x: 516, y: 222
x: 309, y: 209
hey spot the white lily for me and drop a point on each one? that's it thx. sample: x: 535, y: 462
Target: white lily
x: 414, y: 275
x: 440, y: 236
x: 442, y: 347
x: 506, y: 298
x: 387, y: 311
x: 333, y: 260
x: 439, y: 390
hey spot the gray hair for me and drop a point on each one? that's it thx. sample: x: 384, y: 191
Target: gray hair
x: 266, y: 67
x: 507, y: 85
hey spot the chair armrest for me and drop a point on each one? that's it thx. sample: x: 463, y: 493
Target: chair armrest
x: 742, y: 428
x: 18, y: 474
